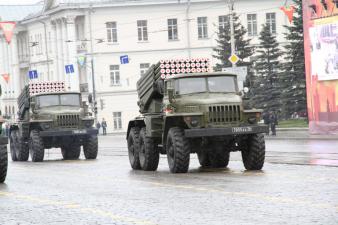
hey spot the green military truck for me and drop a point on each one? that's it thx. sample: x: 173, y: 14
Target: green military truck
x: 3, y: 156
x: 3, y: 152
x: 187, y: 109
x: 50, y: 117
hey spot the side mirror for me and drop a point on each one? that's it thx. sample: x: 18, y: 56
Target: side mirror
x: 170, y: 95
x: 33, y: 104
x: 90, y: 98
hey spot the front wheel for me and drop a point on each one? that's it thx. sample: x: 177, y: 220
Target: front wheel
x: 178, y: 151
x: 148, y: 152
x: 3, y: 163
x: 90, y: 147
x: 36, y: 148
x: 253, y: 154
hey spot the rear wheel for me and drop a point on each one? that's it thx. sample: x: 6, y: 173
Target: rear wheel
x: 219, y: 157
x: 178, y: 151
x: 90, y: 147
x: 3, y: 163
x: 36, y: 148
x: 253, y: 154
x: 71, y: 153
x: 148, y: 152
x: 12, y: 145
x: 133, y: 148
x: 203, y: 158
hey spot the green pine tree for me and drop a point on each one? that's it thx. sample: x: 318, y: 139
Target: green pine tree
x: 266, y: 91
x: 242, y: 46
x: 293, y: 77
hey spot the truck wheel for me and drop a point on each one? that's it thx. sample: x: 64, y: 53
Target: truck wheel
x: 22, y: 150
x: 203, y: 158
x: 3, y: 163
x: 178, y: 151
x: 219, y: 159
x: 36, y: 148
x: 71, y: 153
x: 12, y: 145
x: 148, y: 152
x: 90, y: 147
x: 253, y: 154
x: 133, y: 146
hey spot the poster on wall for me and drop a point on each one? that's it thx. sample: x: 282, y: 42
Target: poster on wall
x: 321, y: 63
x: 324, y: 48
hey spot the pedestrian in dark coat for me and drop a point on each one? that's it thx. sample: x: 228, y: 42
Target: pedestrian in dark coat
x: 104, y: 126
x: 98, y: 126
x: 273, y: 122
x: 266, y: 118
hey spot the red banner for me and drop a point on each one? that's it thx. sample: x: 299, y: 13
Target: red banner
x: 288, y: 12
x: 8, y: 29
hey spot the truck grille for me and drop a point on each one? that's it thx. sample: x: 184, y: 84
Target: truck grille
x: 68, y: 120
x: 224, y: 113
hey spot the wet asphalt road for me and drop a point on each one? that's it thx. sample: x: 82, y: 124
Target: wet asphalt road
x: 299, y: 185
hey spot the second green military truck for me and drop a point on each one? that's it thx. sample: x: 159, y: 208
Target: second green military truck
x: 51, y: 117
x: 187, y: 109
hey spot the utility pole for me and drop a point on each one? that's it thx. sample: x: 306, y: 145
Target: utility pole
x: 46, y: 46
x: 94, y: 104
x: 232, y: 32
x: 187, y: 12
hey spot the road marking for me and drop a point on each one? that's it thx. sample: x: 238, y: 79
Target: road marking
x: 94, y: 211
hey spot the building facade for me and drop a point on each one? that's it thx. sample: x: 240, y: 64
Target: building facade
x: 103, y: 33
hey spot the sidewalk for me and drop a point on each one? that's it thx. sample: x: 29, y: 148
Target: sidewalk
x: 299, y: 133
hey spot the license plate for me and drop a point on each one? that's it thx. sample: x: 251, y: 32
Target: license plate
x: 241, y: 129
x: 79, y: 131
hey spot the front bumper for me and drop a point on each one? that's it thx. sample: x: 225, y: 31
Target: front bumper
x: 63, y: 133
x: 3, y: 140
x: 210, y: 132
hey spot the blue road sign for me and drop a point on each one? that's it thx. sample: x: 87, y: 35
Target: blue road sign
x: 124, y: 59
x: 33, y: 74
x: 69, y: 68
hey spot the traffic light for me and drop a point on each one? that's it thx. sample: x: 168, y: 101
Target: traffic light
x: 95, y: 107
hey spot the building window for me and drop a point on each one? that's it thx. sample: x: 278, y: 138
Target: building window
x: 172, y: 29
x: 142, y: 30
x: 111, y: 32
x: 252, y: 24
x: 117, y: 120
x: 223, y: 23
x: 271, y: 21
x: 114, y: 75
x: 202, y: 24
x: 144, y: 67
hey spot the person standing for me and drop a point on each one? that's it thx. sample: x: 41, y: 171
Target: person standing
x: 98, y: 126
x: 266, y: 118
x: 274, y: 122
x: 104, y: 126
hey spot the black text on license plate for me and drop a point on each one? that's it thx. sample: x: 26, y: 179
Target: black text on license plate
x: 241, y: 129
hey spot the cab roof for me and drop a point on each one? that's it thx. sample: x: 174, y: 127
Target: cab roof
x: 180, y: 75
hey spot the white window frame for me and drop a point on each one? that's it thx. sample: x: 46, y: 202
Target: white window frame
x: 202, y: 27
x: 222, y: 22
x: 252, y: 24
x: 172, y: 29
x: 271, y: 21
x: 142, y: 30
x: 144, y: 67
x: 115, y: 77
x: 111, y: 32
x: 117, y: 120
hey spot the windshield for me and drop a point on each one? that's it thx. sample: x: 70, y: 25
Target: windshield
x: 56, y: 100
x: 205, y: 84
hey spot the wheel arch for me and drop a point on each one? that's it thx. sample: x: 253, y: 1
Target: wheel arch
x: 135, y: 123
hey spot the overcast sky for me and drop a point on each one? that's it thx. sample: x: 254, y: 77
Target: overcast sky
x: 18, y: 2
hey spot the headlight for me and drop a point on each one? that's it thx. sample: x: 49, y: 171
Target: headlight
x: 193, y: 121
x: 46, y: 126
x: 88, y: 123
